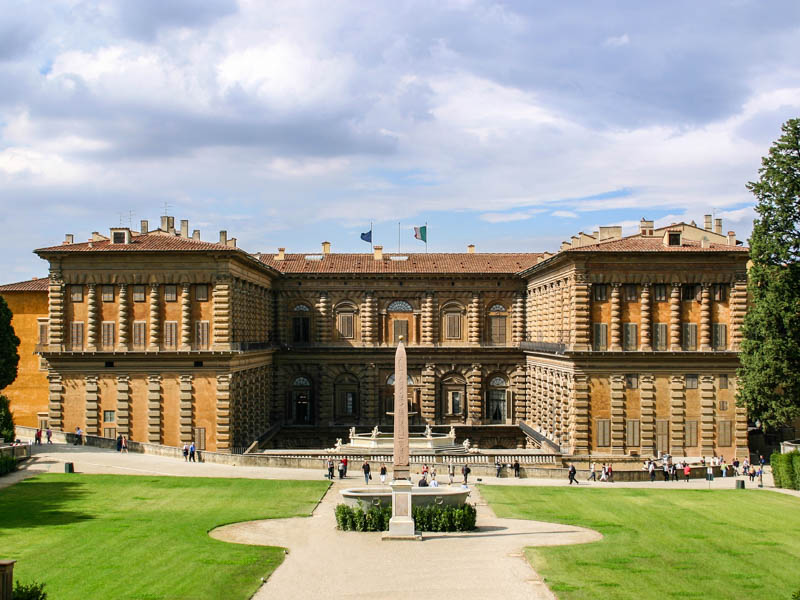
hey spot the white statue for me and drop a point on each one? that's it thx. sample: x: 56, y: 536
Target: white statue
x: 428, y: 431
x: 375, y: 432
x: 452, y: 432
x: 474, y: 448
x: 466, y: 445
x: 338, y: 444
x: 352, y: 434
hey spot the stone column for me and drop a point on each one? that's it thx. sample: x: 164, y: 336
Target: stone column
x: 186, y: 317
x: 616, y: 314
x: 474, y: 396
x: 705, y: 318
x: 518, y: 318
x: 92, y: 311
x: 155, y: 318
x: 677, y: 414
x: 582, y: 314
x: 426, y: 329
x: 281, y: 319
x: 520, y: 390
x: 55, y: 311
x: 368, y: 319
x: 154, y: 409
x: 223, y: 424
x: 326, y: 399
x: 123, y: 405
x: 222, y: 313
x: 581, y: 413
x: 617, y: 413
x: 738, y: 308
x: 707, y: 409
x: 186, y: 403
x: 370, y: 394
x: 530, y: 314
x: 428, y: 399
x: 675, y: 318
x: 740, y: 432
x: 474, y: 318
x: 323, y: 318
x: 124, y: 317
x: 55, y: 400
x: 645, y: 324
x: 92, y: 405
x: 647, y: 403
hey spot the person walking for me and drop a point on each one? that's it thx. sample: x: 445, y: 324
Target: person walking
x: 191, y: 452
x: 37, y: 437
x: 604, y: 472
x: 383, y: 473
x: 723, y: 467
x: 610, y: 473
x: 516, y: 468
x: 497, y: 467
x: 425, y: 471
x: 341, y: 469
x: 686, y: 471
x: 367, y: 475
x: 49, y: 436
x: 344, y: 463
x: 124, y: 445
x: 652, y: 470
x: 673, y: 471
x: 330, y: 469
x: 451, y: 472
x: 665, y: 470
x: 592, y: 472
x: 709, y: 473
x: 185, y: 452
x: 119, y: 443
x: 465, y: 470
x: 572, y: 472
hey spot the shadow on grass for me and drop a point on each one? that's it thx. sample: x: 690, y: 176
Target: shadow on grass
x: 34, y: 503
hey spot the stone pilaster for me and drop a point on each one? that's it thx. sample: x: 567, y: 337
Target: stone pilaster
x: 281, y: 335
x: 519, y: 386
x: 474, y: 396
x: 369, y: 322
x: 582, y: 314
x: 675, y: 318
x: 55, y: 400
x: 580, y: 411
x: 323, y: 318
x: 707, y: 410
x: 186, y: 395
x: 92, y: 404
x: 677, y: 414
x: 154, y: 409
x: 738, y: 308
x: 326, y: 399
x: 518, y: 318
x: 428, y: 318
x: 222, y: 297
x: 55, y: 312
x: 155, y: 318
x: 124, y: 316
x: 616, y: 320
x: 617, y: 413
x: 124, y: 405
x: 223, y: 412
x: 740, y: 433
x: 645, y: 324
x: 705, y: 318
x: 428, y: 399
x: 647, y: 403
x: 370, y: 394
x: 186, y: 317
x: 92, y: 313
x: 474, y: 318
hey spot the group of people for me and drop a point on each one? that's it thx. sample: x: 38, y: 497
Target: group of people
x: 189, y: 452
x: 606, y: 473
x: 122, y: 443
x: 38, y: 436
x: 670, y: 470
x: 498, y: 467
x: 427, y: 475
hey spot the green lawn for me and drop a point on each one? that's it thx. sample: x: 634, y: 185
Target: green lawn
x: 112, y: 536
x: 664, y: 543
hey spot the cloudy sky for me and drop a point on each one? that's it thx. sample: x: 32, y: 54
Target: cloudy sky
x: 508, y: 125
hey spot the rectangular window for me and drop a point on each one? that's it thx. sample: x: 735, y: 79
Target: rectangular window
x: 76, y: 293
x: 110, y: 432
x: 660, y: 333
x: 200, y: 438
x: 76, y: 335
x: 689, y: 291
x: 201, y: 292
x: 720, y: 292
x: 201, y: 335
x: 497, y: 330
x: 170, y: 334
x: 603, y: 432
x: 725, y: 433
x: 139, y: 293
x: 170, y: 293
x: 600, y: 340
x: 630, y: 336
x: 301, y: 329
x: 455, y: 402
x: 632, y: 432
x: 452, y: 322
x: 662, y: 437
x: 630, y: 292
x: 139, y: 334
x: 723, y: 382
x: 660, y: 292
x: 690, y: 433
x: 345, y: 325
x: 108, y: 416
x: 719, y: 336
x: 107, y: 335
x: 600, y: 292
x: 691, y: 382
x: 723, y: 405
x: 689, y: 337
x: 107, y: 293
x: 631, y: 381
x: 44, y: 330
x: 401, y: 328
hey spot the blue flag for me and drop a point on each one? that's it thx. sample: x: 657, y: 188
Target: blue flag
x: 367, y: 237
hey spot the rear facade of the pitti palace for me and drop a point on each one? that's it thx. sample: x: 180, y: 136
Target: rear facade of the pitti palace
x: 611, y: 346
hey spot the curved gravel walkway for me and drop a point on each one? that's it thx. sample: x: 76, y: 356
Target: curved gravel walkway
x: 323, y: 562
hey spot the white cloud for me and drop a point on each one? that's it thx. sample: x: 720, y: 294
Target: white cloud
x: 617, y: 41
x: 565, y: 214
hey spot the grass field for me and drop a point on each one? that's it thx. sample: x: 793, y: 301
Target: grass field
x: 664, y: 543
x: 124, y: 537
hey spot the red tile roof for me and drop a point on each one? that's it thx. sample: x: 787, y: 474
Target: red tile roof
x: 655, y: 244
x: 487, y: 263
x: 32, y: 285
x: 148, y: 243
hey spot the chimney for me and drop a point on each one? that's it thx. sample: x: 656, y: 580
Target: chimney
x: 704, y: 243
x: 96, y: 237
x: 707, y: 222
x: 645, y: 227
x: 231, y: 243
x: 378, y: 252
x: 718, y: 226
x: 613, y: 232
x: 69, y: 239
x: 143, y: 226
x: 171, y: 224
x: 731, y: 238
x: 164, y: 223
x: 471, y: 249
x: 196, y: 235
x: 281, y: 254
x: 223, y: 237
x: 326, y: 247
x: 184, y: 228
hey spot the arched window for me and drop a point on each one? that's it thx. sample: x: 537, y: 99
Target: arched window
x: 400, y: 306
x: 301, y: 324
x: 302, y: 308
x: 301, y: 407
x: 400, y: 321
x: 495, y: 308
x: 496, y: 399
x: 497, y: 325
x: 390, y: 380
x: 301, y: 382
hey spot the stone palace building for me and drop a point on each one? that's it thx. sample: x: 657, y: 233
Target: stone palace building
x: 611, y: 346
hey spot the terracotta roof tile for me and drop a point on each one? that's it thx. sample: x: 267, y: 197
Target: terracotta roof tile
x: 488, y: 263
x: 148, y: 243
x: 32, y: 285
x: 655, y: 244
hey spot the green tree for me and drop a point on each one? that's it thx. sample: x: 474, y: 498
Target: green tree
x: 9, y: 358
x: 6, y: 420
x: 769, y: 377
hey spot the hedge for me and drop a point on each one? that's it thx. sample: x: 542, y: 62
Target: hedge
x: 796, y: 468
x: 426, y: 518
x: 786, y: 470
x: 7, y: 464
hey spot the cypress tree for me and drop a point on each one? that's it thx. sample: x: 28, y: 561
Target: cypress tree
x: 9, y: 358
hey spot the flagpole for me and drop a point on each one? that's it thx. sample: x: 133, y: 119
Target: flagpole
x: 398, y: 237
x: 372, y: 247
x: 426, y: 237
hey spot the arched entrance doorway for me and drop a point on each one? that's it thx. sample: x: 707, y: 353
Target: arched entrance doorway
x: 496, y: 399
x: 301, y: 407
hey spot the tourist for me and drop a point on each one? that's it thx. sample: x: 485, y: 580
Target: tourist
x: 186, y: 452
x: 425, y: 471
x: 603, y: 473
x: 119, y: 443
x: 572, y: 472
x: 723, y: 467
x: 516, y: 468
x: 592, y: 472
x: 735, y: 464
x: 37, y: 437
x: 344, y: 464
x: 434, y: 483
x: 752, y: 473
x: 124, y: 445
x: 191, y: 452
x: 423, y: 482
x: 367, y: 475
x: 330, y: 469
x: 761, y: 460
x: 709, y: 473
x: 497, y: 467
x: 49, y: 436
x: 651, y: 467
x: 665, y: 470
x: 686, y: 471
x: 77, y: 436
x: 451, y: 472
x: 433, y: 473
x: 465, y: 471
x: 610, y: 473
x: 341, y: 468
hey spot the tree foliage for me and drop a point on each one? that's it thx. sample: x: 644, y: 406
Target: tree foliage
x: 769, y: 378
x: 6, y: 420
x: 9, y: 358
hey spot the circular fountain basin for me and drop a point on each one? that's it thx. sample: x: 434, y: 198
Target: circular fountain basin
x: 385, y: 442
x: 379, y: 495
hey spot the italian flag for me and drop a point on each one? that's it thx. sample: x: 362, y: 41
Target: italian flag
x: 421, y: 233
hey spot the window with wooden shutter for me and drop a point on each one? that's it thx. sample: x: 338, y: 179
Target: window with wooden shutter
x: 725, y: 433
x: 600, y: 292
x: 201, y: 292
x: 170, y: 293
x: 76, y: 293
x: 600, y: 341
x: 401, y: 328
x: 452, y: 321
x: 345, y: 325
x: 630, y: 292
x: 139, y: 334
x: 631, y: 381
x: 630, y: 336
x: 691, y: 382
x: 201, y: 335
x: 107, y: 293
x: 107, y: 334
x: 170, y: 334
x: 76, y: 335
x: 723, y: 382
x: 44, y: 330
x: 690, y: 433
x: 689, y: 337
x: 660, y: 292
x: 719, y: 335
x: 632, y: 432
x: 200, y: 438
x: 660, y: 333
x: 662, y: 437
x: 689, y: 291
x: 139, y: 293
x: 720, y: 292
x: 497, y: 330
x: 301, y: 329
x: 603, y: 432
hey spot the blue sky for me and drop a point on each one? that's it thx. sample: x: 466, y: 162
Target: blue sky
x: 508, y: 125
